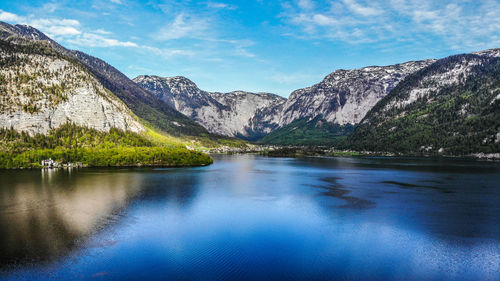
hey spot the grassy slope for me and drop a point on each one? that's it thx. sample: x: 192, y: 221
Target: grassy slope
x: 315, y: 132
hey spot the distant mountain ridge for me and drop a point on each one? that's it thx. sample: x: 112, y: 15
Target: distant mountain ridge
x: 241, y: 114
x: 325, y: 113
x: 342, y: 98
x: 345, y: 96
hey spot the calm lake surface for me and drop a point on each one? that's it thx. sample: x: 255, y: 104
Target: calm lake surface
x: 251, y: 217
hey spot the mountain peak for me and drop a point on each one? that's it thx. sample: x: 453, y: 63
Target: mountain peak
x: 171, y: 82
x: 22, y: 30
x: 489, y: 52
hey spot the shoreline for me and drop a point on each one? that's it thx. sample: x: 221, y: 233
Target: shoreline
x: 274, y: 151
x: 115, y: 166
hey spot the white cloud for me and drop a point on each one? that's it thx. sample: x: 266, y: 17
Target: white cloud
x: 244, y: 53
x: 10, y: 17
x: 216, y: 5
x: 116, y: 1
x: 56, y: 27
x: 49, y: 7
x: 324, y: 20
x: 183, y: 26
x: 291, y: 78
x: 469, y: 24
x: 96, y: 40
x: 306, y: 4
x: 205, y: 30
x: 166, y: 53
x: 363, y: 10
x: 51, y: 26
x: 239, y: 47
x: 71, y: 32
x: 102, y: 31
x: 61, y: 31
x: 67, y: 31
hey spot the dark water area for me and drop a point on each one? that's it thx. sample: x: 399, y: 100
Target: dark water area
x: 248, y: 217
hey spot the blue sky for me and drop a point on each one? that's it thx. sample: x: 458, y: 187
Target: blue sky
x: 261, y: 45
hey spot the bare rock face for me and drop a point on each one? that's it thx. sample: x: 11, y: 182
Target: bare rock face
x: 345, y: 96
x: 243, y: 114
x: 42, y: 90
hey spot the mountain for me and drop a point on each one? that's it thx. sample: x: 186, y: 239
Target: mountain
x: 342, y: 98
x: 442, y: 106
x: 64, y: 108
x: 42, y: 89
x: 142, y: 103
x: 242, y: 114
x: 449, y: 107
x: 345, y: 96
x: 339, y: 102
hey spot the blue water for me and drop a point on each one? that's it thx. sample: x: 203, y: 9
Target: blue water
x: 250, y: 217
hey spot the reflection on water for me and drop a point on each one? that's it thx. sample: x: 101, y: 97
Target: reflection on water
x: 248, y: 217
x: 44, y: 214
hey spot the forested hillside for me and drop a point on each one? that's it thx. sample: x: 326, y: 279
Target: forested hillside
x: 450, y: 107
x: 309, y: 132
x: 72, y: 144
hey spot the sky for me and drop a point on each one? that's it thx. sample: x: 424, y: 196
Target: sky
x: 260, y: 45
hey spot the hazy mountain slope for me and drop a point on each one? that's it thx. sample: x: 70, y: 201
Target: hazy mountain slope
x: 243, y: 114
x: 451, y: 106
x: 42, y: 89
x: 265, y: 120
x: 141, y: 102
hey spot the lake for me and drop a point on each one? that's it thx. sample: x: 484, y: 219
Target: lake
x: 251, y: 217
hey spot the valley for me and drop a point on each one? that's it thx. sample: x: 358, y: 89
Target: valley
x: 413, y: 108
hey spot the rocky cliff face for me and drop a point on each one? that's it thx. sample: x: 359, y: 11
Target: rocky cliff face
x: 42, y: 90
x: 243, y: 114
x: 141, y: 102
